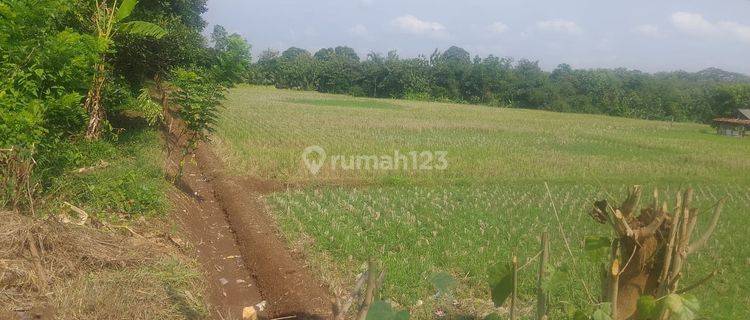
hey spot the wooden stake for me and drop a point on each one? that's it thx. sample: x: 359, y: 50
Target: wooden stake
x: 614, y: 286
x: 372, y: 278
x: 343, y: 305
x: 682, y: 242
x: 541, y: 296
x: 514, y: 293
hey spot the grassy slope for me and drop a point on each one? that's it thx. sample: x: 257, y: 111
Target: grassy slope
x: 491, y: 201
x: 125, y: 186
x: 124, y: 178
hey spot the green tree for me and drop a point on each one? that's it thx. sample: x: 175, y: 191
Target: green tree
x: 199, y: 99
x: 139, y: 59
x: 295, y: 53
x: 346, y: 53
x: 726, y: 99
x: 46, y: 67
x: 220, y: 38
x: 108, y: 20
x: 456, y: 54
x: 232, y: 56
x: 325, y: 54
x: 265, y: 71
x: 532, y: 88
x: 453, y: 76
x: 297, y: 69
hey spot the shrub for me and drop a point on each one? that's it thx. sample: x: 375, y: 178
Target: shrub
x: 199, y: 98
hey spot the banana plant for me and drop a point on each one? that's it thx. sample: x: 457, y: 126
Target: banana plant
x: 109, y: 20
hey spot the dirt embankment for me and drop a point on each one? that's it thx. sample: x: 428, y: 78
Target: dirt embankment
x: 242, y: 251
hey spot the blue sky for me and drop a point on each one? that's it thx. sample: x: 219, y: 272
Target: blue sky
x: 656, y: 35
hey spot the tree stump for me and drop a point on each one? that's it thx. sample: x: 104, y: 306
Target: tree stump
x: 651, y: 247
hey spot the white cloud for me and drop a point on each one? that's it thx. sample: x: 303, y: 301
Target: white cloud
x: 359, y: 31
x: 413, y: 25
x: 740, y: 31
x: 559, y: 25
x: 498, y: 27
x: 695, y: 24
x: 649, y: 30
x: 366, y: 3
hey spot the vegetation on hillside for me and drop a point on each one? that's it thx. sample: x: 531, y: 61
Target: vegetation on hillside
x: 453, y: 75
x: 81, y: 156
x: 72, y: 65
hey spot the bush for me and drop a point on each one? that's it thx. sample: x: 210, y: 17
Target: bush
x: 65, y: 117
x: 198, y: 98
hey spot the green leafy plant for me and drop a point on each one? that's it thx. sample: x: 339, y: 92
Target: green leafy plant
x: 670, y: 307
x: 149, y: 109
x: 597, y: 248
x: 108, y: 21
x: 682, y: 307
x: 21, y: 131
x: 493, y: 316
x: 602, y: 312
x: 443, y: 283
x: 382, y: 310
x: 501, y: 282
x: 198, y: 99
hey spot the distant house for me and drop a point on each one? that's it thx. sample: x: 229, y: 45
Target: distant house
x: 738, y: 126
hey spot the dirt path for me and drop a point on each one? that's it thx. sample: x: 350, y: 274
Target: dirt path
x: 242, y: 253
x: 230, y: 285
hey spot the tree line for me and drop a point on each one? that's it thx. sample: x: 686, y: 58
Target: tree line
x: 454, y: 76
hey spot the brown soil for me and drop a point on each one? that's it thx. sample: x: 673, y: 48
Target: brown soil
x: 230, y: 286
x: 225, y: 217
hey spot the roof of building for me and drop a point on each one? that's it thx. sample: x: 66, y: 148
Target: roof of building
x: 745, y: 113
x: 733, y: 121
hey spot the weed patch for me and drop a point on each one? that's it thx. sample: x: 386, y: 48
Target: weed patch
x: 111, y: 179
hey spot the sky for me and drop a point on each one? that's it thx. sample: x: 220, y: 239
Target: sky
x: 648, y: 35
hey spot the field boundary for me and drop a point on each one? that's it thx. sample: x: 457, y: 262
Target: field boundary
x: 281, y: 276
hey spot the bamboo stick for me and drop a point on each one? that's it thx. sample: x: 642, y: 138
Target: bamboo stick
x: 514, y: 293
x: 541, y: 296
x: 666, y: 267
x: 372, y: 278
x: 614, y: 285
x: 712, y: 225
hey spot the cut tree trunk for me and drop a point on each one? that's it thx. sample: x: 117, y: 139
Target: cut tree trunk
x: 638, y: 275
x: 651, y: 247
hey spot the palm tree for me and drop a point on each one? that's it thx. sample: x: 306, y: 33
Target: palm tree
x: 108, y: 21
